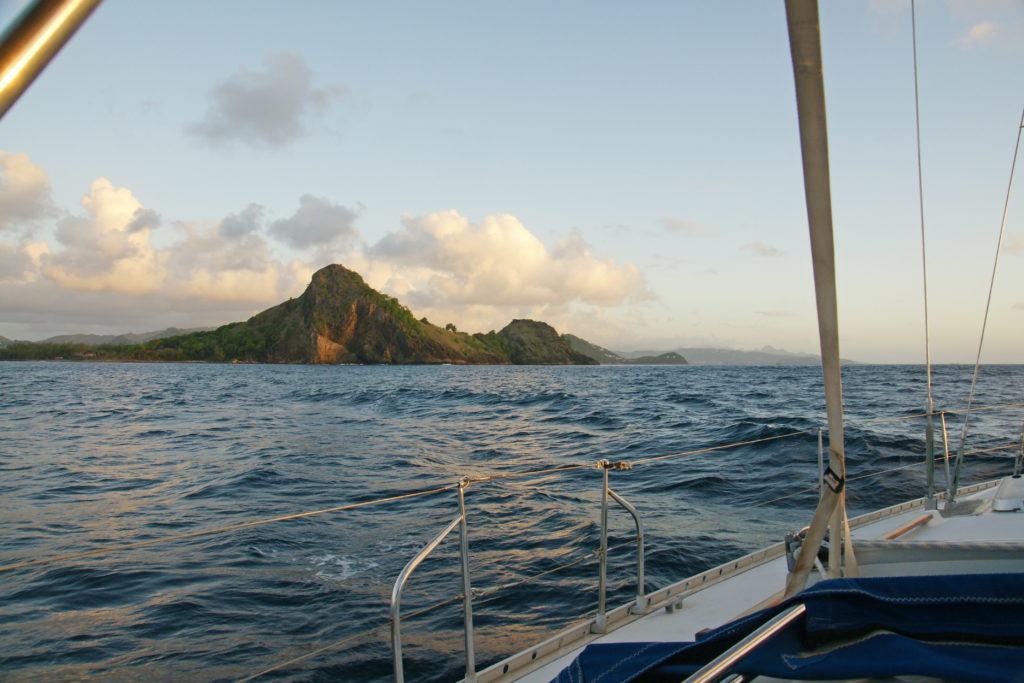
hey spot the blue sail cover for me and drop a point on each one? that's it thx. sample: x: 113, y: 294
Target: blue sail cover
x: 964, y: 627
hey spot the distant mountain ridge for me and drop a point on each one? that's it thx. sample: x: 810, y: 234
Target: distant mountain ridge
x: 341, y: 319
x: 766, y: 356
x: 606, y: 357
x: 127, y: 338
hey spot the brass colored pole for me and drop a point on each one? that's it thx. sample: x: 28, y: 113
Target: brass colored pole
x: 33, y: 39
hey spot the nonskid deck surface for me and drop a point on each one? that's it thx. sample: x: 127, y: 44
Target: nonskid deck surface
x: 726, y: 592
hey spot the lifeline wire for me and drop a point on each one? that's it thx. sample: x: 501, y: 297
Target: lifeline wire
x: 207, y: 532
x: 487, y: 595
x: 347, y: 639
x: 415, y: 494
x: 988, y: 303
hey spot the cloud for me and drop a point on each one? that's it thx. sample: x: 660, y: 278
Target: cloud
x: 1019, y: 306
x: 107, y: 250
x: 246, y: 221
x: 980, y: 34
x: 1014, y: 246
x: 495, y: 269
x: 685, y: 225
x: 24, y: 192
x: 317, y: 223
x: 205, y: 264
x: 761, y: 249
x: 265, y: 108
x: 143, y: 219
x: 101, y: 266
x: 14, y: 263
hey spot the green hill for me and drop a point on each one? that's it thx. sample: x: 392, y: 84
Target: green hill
x: 338, y: 319
x: 536, y: 343
x: 598, y: 353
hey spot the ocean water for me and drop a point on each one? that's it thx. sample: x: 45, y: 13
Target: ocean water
x: 101, y: 455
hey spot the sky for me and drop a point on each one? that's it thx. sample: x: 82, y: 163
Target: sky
x: 627, y: 172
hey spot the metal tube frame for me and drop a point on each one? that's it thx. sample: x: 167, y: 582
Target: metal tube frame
x: 403, y: 577
x: 467, y: 589
x: 929, y: 453
x: 821, y: 462
x: 1020, y: 455
x: 945, y: 448
x: 600, y: 622
x: 721, y: 664
x: 640, y: 606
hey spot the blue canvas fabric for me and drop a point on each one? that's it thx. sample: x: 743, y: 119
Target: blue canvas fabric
x: 958, y: 627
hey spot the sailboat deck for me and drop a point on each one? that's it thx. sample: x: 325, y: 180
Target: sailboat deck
x: 721, y: 594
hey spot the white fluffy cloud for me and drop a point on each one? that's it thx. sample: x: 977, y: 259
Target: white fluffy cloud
x: 107, y: 250
x: 483, y: 274
x: 268, y: 107
x: 24, y: 192
x: 100, y: 259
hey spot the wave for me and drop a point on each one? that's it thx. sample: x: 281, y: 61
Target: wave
x: 109, y: 453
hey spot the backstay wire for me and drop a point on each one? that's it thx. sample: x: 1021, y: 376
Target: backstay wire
x: 929, y: 398
x: 988, y: 304
x: 920, y: 206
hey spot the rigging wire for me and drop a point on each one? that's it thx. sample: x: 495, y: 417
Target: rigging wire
x: 488, y: 595
x: 920, y: 206
x: 930, y: 401
x: 218, y: 530
x: 348, y: 639
x: 496, y: 477
x: 988, y: 304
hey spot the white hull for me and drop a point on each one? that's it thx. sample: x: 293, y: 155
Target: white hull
x: 976, y: 539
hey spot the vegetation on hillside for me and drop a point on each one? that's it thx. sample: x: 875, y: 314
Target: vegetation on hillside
x: 338, y: 319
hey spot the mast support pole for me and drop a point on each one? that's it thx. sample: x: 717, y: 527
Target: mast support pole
x: 805, y: 45
x: 33, y: 39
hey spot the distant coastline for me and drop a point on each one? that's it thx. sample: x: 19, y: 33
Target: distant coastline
x: 339, y: 319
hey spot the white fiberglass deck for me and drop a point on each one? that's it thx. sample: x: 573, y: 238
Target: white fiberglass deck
x: 722, y: 594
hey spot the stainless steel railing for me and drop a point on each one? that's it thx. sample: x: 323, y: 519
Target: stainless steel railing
x: 639, y: 607
x: 467, y: 591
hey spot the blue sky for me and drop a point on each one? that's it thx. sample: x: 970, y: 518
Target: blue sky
x: 628, y: 172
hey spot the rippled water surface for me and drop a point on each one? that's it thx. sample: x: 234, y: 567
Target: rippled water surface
x: 102, y: 455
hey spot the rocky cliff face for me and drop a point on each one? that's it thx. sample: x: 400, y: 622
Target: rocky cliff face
x: 341, y: 319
